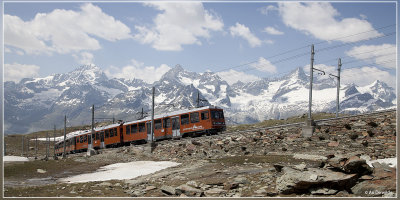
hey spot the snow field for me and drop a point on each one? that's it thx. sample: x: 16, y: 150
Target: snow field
x: 121, y: 171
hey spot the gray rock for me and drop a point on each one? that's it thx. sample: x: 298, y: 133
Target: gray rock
x: 188, y: 190
x: 168, y: 190
x: 310, y: 157
x: 193, y: 184
x: 240, y: 180
x: 105, y: 184
x: 300, y: 181
x: 324, y: 191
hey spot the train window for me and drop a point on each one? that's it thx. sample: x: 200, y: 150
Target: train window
x: 111, y: 132
x: 97, y: 136
x: 217, y: 114
x: 157, y: 124
x: 81, y: 138
x: 85, y: 138
x: 107, y: 133
x: 115, y: 132
x: 77, y: 139
x: 204, y: 115
x: 185, y: 119
x: 128, y: 129
x: 133, y: 128
x: 194, y: 117
x: 167, y: 123
x: 142, y: 127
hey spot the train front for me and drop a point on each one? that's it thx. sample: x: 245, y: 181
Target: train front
x: 218, y: 120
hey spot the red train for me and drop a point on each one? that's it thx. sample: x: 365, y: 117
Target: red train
x: 204, y: 120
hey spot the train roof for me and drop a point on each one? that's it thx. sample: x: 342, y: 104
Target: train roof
x: 178, y: 112
x: 83, y: 132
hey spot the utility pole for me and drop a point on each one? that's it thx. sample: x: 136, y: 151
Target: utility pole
x: 47, y: 147
x: 152, y: 116
x: 90, y: 135
x: 54, y: 143
x: 65, y: 136
x: 338, y: 87
x: 22, y: 154
x: 36, y: 148
x: 199, y: 100
x: 27, y: 150
x: 308, y: 129
x: 311, y: 82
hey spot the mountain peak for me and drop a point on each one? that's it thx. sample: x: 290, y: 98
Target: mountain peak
x: 297, y: 73
x: 88, y: 68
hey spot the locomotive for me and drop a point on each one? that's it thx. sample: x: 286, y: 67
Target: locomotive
x: 177, y: 124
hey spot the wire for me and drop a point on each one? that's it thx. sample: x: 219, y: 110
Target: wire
x: 380, y: 63
x: 352, y: 55
x: 350, y: 43
x: 303, y: 54
x: 356, y: 34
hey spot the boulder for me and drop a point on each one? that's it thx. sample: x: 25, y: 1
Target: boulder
x: 357, y: 165
x: 352, y: 164
x: 168, y: 190
x: 295, y: 181
x: 188, y: 190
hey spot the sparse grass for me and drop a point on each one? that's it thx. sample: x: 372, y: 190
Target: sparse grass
x: 54, y: 168
x: 90, y: 189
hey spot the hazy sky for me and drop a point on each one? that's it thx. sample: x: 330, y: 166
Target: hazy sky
x: 239, y: 40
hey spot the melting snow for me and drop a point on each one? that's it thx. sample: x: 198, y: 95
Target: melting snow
x: 121, y: 171
x: 392, y: 162
x: 14, y: 158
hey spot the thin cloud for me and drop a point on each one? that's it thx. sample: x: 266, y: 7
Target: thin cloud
x: 240, y: 30
x: 385, y: 54
x: 16, y: 71
x: 319, y: 19
x: 84, y: 58
x: 138, y: 70
x: 272, y: 31
x: 63, y: 31
x: 178, y: 24
x: 265, y: 66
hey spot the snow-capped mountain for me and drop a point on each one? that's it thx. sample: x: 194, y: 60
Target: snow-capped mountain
x: 40, y: 103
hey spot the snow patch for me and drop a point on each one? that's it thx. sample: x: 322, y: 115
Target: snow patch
x: 392, y: 162
x: 121, y: 171
x: 14, y: 159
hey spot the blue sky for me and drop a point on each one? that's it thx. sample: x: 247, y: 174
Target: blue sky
x: 239, y: 40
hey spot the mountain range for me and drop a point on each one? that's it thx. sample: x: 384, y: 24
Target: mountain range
x: 36, y: 104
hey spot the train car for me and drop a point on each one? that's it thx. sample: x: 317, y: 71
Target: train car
x: 81, y: 141
x: 111, y: 136
x: 70, y: 146
x: 134, y: 132
x: 189, y: 122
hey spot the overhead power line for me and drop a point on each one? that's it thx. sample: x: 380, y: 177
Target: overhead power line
x: 350, y: 43
x: 332, y: 59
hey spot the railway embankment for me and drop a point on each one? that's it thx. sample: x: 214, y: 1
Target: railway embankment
x: 337, y: 161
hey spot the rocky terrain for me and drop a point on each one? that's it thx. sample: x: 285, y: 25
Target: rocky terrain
x: 271, y: 162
